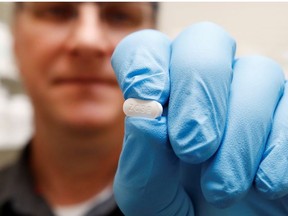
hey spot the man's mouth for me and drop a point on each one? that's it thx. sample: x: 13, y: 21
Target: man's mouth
x: 83, y: 81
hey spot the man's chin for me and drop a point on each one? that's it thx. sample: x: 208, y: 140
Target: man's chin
x: 84, y: 116
x: 87, y: 121
x: 87, y: 124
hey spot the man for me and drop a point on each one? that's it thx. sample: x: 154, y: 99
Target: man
x: 63, y: 52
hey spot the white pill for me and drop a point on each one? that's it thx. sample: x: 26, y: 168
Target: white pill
x: 142, y: 108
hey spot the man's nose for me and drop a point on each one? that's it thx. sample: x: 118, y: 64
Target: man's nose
x: 89, y: 36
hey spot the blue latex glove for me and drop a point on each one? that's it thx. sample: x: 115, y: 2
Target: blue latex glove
x: 148, y: 173
x: 202, y: 99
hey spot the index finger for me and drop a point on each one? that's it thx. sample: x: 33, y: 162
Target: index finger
x: 201, y: 74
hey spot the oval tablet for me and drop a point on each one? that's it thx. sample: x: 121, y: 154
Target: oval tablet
x: 142, y: 108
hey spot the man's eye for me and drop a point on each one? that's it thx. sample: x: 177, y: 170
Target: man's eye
x: 56, y: 13
x: 120, y: 18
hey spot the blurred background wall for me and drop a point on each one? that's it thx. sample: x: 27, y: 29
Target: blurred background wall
x: 259, y: 28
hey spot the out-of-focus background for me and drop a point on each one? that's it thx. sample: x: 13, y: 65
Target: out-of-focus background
x: 259, y: 28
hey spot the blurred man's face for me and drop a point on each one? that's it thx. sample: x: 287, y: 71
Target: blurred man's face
x: 64, y: 50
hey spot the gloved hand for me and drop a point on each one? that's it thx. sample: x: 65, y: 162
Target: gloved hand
x: 209, y: 99
x: 148, y: 173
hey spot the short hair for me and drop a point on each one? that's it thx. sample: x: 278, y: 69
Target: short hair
x: 155, y: 8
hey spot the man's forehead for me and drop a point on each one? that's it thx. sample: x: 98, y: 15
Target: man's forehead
x: 100, y: 4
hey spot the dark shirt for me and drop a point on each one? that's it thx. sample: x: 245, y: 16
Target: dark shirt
x: 18, y: 196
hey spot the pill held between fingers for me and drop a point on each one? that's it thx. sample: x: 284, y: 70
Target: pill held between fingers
x: 142, y: 108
